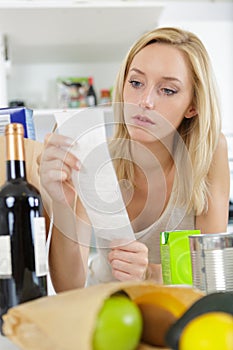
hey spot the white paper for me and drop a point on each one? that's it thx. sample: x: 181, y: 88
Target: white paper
x: 96, y: 182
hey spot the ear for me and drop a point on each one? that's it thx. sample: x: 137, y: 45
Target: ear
x: 191, y: 112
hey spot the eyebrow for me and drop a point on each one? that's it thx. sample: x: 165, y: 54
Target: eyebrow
x: 165, y: 77
x: 137, y: 71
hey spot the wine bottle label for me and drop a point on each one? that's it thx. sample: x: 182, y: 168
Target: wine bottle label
x: 5, y: 257
x: 41, y: 261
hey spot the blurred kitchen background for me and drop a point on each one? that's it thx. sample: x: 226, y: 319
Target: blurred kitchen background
x: 44, y: 41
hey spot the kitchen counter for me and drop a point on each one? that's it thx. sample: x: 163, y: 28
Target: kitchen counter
x: 6, y: 344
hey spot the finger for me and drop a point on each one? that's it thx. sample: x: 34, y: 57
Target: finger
x: 38, y: 159
x: 134, y: 258
x: 116, y: 243
x: 122, y: 276
x: 134, y: 246
x: 55, y: 176
x: 58, y: 140
x: 120, y: 270
x: 65, y: 157
x: 55, y: 165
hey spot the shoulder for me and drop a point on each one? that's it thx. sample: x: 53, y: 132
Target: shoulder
x: 222, y: 145
x: 219, y: 169
x: 220, y: 156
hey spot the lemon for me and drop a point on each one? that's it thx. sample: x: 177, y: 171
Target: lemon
x: 209, y: 331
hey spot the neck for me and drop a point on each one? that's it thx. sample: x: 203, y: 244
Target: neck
x: 153, y: 156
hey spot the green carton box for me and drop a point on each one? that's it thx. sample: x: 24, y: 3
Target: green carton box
x: 175, y: 256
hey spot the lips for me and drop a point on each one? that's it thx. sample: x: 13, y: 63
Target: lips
x: 142, y: 120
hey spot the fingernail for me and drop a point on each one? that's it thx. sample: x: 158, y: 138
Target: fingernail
x: 63, y: 176
x: 78, y: 165
x: 69, y: 141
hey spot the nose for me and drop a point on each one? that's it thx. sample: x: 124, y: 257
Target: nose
x: 148, y: 99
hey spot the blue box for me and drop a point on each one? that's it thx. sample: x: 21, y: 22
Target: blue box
x: 20, y: 115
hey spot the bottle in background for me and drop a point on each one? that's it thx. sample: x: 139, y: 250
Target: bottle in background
x: 91, y: 95
x: 105, y: 97
x: 23, y: 258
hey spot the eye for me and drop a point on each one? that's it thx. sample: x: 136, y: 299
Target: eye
x: 135, y: 83
x: 169, y: 92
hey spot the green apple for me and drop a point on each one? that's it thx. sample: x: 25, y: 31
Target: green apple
x: 119, y: 325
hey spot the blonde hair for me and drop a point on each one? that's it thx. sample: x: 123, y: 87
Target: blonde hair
x: 200, y: 134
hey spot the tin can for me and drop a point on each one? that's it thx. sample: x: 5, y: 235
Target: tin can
x: 212, y: 261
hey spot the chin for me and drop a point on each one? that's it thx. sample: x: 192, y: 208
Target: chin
x: 141, y: 135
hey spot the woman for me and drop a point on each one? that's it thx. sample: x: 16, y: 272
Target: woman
x: 168, y: 149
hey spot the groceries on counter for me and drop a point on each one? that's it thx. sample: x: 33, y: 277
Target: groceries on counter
x: 175, y: 256
x: 79, y: 92
x: 91, y: 99
x: 105, y: 97
x: 23, y: 254
x: 76, y: 92
x: 160, y: 308
x: 206, y: 325
x: 72, y: 92
x: 172, y: 317
x: 119, y: 313
x: 20, y: 115
x: 70, y: 320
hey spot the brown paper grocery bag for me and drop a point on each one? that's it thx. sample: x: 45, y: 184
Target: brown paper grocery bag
x: 66, y: 321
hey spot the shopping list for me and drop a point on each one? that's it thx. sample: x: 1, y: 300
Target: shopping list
x: 96, y: 183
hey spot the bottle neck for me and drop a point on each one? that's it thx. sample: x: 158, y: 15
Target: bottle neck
x: 15, y: 169
x: 15, y: 157
x: 90, y: 81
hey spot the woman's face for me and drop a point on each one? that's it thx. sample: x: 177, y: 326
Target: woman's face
x: 158, y: 92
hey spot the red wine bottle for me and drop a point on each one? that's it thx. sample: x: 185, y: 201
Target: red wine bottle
x: 91, y: 95
x: 23, y: 258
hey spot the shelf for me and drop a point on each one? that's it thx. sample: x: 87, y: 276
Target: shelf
x: 69, y: 31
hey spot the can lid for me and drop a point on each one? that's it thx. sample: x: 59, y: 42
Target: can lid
x: 212, y: 241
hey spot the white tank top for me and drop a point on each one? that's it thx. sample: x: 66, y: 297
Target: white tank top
x: 173, y: 218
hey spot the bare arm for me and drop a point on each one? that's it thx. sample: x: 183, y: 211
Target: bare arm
x: 69, y: 249
x: 216, y: 218
x: 68, y: 252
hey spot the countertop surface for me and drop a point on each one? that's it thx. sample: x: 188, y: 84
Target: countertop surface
x: 6, y: 344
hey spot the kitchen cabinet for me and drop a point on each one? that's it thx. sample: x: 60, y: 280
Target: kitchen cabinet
x: 81, y: 30
x: 70, y: 31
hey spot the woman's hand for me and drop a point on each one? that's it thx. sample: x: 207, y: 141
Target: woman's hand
x: 129, y: 262
x: 55, y: 168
